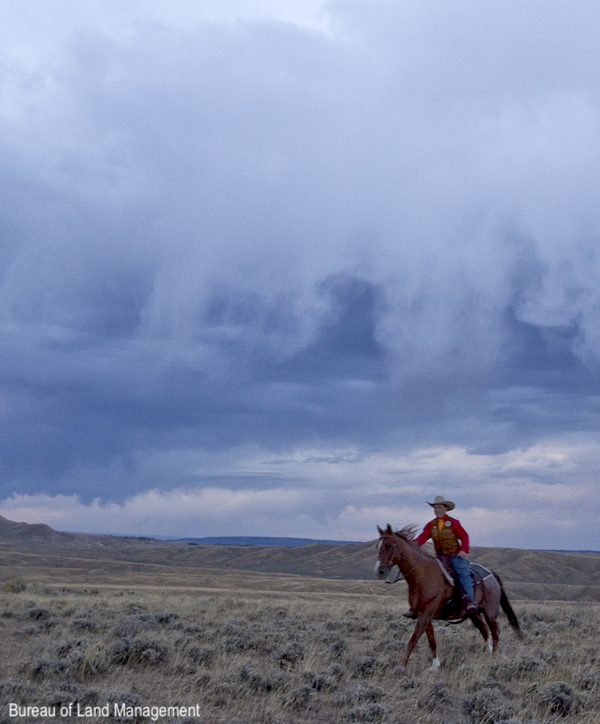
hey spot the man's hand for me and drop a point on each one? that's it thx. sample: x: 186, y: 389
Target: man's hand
x: 462, y: 554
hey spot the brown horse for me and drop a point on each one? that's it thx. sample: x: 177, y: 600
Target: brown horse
x: 429, y: 592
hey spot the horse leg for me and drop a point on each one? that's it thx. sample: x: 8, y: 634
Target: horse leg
x: 421, y: 626
x: 493, y: 597
x: 430, y: 635
x: 492, y: 623
x: 479, y: 624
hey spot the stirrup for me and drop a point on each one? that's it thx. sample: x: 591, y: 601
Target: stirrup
x: 471, y: 607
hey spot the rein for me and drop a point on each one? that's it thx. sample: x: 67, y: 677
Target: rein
x: 402, y: 575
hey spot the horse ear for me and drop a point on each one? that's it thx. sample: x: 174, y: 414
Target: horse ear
x: 380, y: 531
x: 389, y: 529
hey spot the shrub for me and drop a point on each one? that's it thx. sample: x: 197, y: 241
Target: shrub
x: 368, y: 693
x: 587, y: 680
x: 487, y: 706
x: 85, y: 623
x: 44, y: 619
x: 148, y: 652
x: 258, y: 682
x: 363, y: 665
x: 43, y: 668
x: 335, y: 671
x: 139, y: 652
x: 129, y: 698
x: 13, y: 585
x: 368, y: 713
x: 93, y: 662
x: 202, y: 681
x: 557, y: 697
x: 131, y: 626
x: 289, y: 656
x: 338, y: 647
x: 518, y: 668
x: 167, y: 618
x: 298, y: 698
x: 202, y: 656
x: 238, y: 643
x: 62, y: 694
x: 37, y: 614
x: 14, y: 690
x: 319, y: 682
x: 436, y: 696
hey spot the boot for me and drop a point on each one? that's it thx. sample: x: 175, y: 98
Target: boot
x: 410, y: 613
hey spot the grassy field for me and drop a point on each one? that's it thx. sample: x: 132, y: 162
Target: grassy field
x: 313, y: 654
x: 39, y: 553
x: 100, y: 629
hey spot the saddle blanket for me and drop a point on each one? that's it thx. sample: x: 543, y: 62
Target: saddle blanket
x: 479, y: 571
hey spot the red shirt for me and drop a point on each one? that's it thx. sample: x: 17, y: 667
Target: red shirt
x: 457, y: 529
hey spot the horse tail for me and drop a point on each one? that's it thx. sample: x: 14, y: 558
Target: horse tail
x: 507, y: 608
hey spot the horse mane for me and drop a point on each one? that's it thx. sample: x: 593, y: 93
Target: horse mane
x: 409, y: 533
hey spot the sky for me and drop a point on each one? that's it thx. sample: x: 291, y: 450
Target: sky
x: 294, y: 268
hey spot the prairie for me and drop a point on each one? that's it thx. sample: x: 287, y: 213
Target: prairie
x: 281, y: 658
x: 103, y: 629
x: 39, y: 553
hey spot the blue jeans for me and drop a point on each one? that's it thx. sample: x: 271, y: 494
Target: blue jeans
x: 461, y: 568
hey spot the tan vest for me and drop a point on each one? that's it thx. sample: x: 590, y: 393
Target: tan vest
x: 445, y: 541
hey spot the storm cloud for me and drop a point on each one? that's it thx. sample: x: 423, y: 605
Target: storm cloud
x: 258, y: 250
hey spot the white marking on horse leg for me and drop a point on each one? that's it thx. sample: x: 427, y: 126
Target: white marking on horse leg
x: 490, y: 644
x: 435, y: 665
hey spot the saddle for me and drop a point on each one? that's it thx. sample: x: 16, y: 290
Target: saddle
x: 454, y: 608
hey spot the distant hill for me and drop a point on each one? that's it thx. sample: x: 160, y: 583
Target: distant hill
x: 238, y: 540
x: 562, y: 550
x: 11, y: 532
x: 527, y: 574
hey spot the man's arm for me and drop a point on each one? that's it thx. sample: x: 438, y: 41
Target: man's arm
x: 424, y: 536
x: 462, y: 536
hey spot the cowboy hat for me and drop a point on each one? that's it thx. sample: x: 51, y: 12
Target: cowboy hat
x: 440, y: 500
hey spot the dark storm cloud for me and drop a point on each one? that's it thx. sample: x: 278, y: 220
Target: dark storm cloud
x: 261, y: 234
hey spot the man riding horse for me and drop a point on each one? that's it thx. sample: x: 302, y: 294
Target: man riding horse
x: 429, y: 590
x: 451, y: 543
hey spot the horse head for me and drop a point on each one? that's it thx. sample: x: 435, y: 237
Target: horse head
x: 385, y: 549
x: 394, y: 548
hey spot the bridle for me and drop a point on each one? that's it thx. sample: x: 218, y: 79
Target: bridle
x: 401, y: 575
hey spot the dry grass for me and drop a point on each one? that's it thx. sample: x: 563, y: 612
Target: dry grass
x: 36, y: 552
x: 278, y: 659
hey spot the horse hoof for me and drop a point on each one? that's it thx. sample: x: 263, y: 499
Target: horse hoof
x: 400, y: 671
x: 435, y: 664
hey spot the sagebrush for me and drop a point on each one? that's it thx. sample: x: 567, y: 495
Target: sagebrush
x: 284, y: 661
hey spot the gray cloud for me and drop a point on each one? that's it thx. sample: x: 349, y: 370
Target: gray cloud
x: 384, y: 237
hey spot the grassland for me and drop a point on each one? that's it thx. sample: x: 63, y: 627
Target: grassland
x: 280, y: 658
x: 114, y: 627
